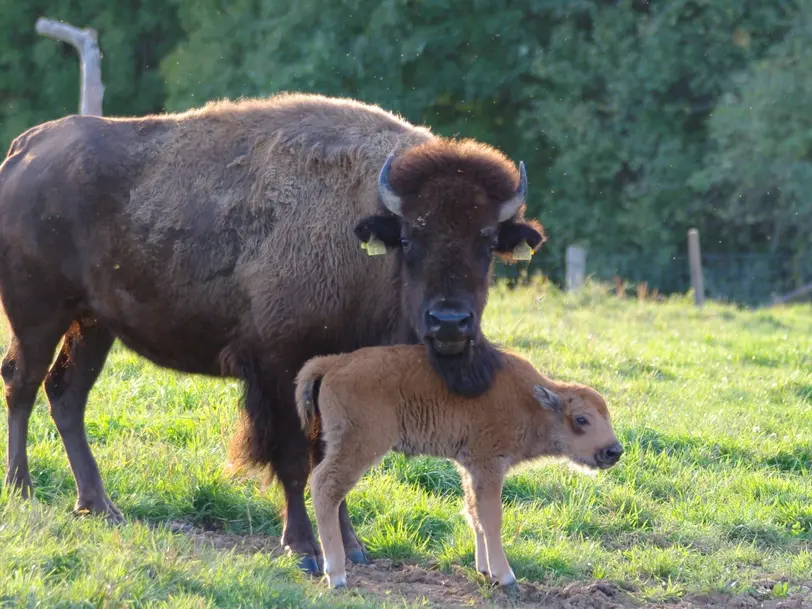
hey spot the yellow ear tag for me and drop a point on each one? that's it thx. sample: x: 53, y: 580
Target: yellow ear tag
x: 374, y: 247
x: 522, y: 251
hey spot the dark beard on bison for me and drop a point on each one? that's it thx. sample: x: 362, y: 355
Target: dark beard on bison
x: 471, y: 372
x: 449, y: 348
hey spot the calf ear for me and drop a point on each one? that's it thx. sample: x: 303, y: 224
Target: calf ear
x: 548, y: 399
x: 518, y: 240
x: 374, y: 230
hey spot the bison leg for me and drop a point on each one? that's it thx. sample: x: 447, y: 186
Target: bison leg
x: 355, y: 550
x: 274, y: 436
x: 23, y: 369
x: 67, y: 386
x: 297, y: 535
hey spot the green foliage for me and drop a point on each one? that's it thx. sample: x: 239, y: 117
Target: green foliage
x: 759, y: 174
x: 607, y: 102
x: 461, y: 75
x: 39, y: 77
x: 622, y: 97
x: 636, y: 119
x: 712, y: 494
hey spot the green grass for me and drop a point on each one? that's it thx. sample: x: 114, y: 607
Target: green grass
x: 713, y: 493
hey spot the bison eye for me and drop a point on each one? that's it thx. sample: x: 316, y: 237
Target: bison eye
x: 405, y: 244
x: 581, y: 421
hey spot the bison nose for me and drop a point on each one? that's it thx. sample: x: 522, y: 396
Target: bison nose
x: 449, y: 323
x: 611, y: 454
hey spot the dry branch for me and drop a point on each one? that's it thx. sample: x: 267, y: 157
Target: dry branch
x: 85, y: 43
x: 794, y: 295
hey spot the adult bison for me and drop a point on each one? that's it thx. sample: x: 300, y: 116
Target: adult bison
x: 225, y: 241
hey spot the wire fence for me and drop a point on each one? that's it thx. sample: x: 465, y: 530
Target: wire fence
x: 750, y: 279
x: 744, y: 278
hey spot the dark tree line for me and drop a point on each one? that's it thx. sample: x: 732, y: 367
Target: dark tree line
x: 636, y: 119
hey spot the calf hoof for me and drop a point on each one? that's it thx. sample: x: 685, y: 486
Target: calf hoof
x: 511, y: 589
x: 358, y: 557
x: 310, y: 565
x: 337, y: 583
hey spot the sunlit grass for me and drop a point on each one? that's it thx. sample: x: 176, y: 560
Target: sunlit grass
x: 714, y: 492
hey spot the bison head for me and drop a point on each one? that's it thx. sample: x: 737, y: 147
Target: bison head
x: 581, y: 426
x: 448, y: 208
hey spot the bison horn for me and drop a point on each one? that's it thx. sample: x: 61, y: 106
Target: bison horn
x: 388, y: 197
x: 512, y: 205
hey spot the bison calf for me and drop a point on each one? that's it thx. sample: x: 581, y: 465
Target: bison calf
x: 377, y: 399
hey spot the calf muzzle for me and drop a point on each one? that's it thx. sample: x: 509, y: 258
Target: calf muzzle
x: 608, y: 456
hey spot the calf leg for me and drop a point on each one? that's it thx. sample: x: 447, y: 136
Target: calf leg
x: 480, y: 551
x: 23, y: 369
x: 353, y: 546
x: 486, y: 481
x: 67, y: 386
x: 328, y: 489
x: 332, y: 479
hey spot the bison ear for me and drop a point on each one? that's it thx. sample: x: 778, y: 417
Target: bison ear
x: 548, y: 399
x: 374, y: 232
x: 518, y: 240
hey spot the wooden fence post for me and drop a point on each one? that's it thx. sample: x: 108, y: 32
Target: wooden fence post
x: 85, y: 43
x: 695, y: 262
x: 576, y: 267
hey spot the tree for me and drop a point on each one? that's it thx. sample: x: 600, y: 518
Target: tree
x: 758, y: 175
x: 39, y: 79
x: 623, y: 95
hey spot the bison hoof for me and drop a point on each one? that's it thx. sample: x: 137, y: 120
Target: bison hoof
x: 310, y: 565
x: 358, y: 557
x: 99, y: 506
x: 511, y: 589
x: 20, y: 485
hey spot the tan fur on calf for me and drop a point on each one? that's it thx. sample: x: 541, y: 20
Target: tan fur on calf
x: 379, y: 399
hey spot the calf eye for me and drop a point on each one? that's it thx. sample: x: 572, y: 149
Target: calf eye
x: 581, y: 421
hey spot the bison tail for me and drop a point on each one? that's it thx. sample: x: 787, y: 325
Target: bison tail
x: 307, y: 390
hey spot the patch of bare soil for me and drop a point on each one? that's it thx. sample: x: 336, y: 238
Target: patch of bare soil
x: 395, y: 582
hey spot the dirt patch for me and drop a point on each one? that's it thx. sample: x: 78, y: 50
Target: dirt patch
x: 395, y: 582
x: 456, y: 590
x: 801, y: 600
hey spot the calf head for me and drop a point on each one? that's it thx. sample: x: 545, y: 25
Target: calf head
x: 448, y: 208
x: 582, y: 427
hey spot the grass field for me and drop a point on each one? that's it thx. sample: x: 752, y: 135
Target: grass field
x: 713, y: 494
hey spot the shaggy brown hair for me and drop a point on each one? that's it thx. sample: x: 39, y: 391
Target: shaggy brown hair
x: 225, y: 241
x: 378, y: 399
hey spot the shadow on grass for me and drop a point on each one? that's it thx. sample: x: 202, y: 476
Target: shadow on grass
x: 696, y: 451
x: 803, y: 391
x: 211, y: 502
